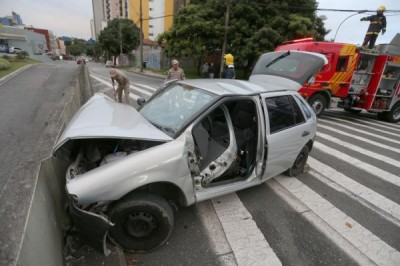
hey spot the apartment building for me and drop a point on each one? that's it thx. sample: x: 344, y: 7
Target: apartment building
x: 157, y: 15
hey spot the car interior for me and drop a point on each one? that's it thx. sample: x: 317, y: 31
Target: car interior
x: 212, y: 138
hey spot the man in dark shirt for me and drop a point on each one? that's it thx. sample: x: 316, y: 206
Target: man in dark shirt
x: 376, y: 25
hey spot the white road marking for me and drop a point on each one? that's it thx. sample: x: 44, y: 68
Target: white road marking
x: 216, y: 234
x: 369, y: 153
x: 342, y: 183
x: 372, y: 246
x: 245, y: 238
x: 378, y: 144
x: 316, y: 221
x: 372, y: 122
x: 364, y: 119
x: 382, y: 174
x: 359, y: 124
x: 364, y: 132
x: 133, y: 88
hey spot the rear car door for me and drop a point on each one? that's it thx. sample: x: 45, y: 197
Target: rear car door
x: 288, y: 129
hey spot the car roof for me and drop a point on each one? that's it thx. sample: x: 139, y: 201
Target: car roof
x: 231, y: 86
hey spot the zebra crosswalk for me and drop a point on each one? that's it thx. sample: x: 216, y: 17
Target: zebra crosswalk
x: 350, y: 197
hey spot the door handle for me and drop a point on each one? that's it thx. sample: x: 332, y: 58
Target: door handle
x: 305, y: 133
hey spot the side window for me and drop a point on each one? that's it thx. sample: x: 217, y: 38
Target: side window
x: 342, y: 63
x: 283, y: 112
x: 280, y: 113
x: 303, y: 106
x: 298, y: 115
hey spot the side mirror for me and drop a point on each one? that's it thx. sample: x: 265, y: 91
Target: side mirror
x: 140, y: 101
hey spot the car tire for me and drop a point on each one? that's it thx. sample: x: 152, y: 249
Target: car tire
x: 298, y: 165
x: 318, y: 103
x: 142, y: 222
x: 393, y: 115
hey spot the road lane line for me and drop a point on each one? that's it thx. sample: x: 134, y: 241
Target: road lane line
x: 340, y: 182
x: 382, y: 174
x: 362, y: 118
x: 372, y: 246
x: 356, y: 148
x: 359, y: 124
x: 216, y: 234
x: 245, y: 238
x: 378, y: 144
x: 364, y: 121
x: 364, y: 132
x: 145, y: 86
x: 319, y: 224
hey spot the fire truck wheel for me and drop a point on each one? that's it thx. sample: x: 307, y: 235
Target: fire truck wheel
x: 298, y: 165
x: 393, y: 115
x: 318, y: 103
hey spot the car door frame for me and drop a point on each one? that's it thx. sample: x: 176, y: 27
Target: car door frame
x: 204, y: 193
x: 276, y: 159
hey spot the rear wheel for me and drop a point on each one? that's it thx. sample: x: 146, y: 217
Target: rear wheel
x: 299, y: 163
x: 142, y: 222
x: 318, y: 103
x: 393, y: 115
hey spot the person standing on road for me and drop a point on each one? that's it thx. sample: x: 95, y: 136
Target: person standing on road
x: 123, y: 85
x: 211, y: 71
x: 229, y: 69
x: 376, y: 25
x: 175, y: 72
x: 204, y: 70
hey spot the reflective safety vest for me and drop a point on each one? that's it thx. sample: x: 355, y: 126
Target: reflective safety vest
x: 377, y: 23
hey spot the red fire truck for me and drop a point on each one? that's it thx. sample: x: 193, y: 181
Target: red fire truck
x: 355, y: 78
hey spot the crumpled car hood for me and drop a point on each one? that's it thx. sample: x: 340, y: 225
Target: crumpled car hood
x: 102, y: 117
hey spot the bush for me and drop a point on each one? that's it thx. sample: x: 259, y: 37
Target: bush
x: 22, y: 55
x: 6, y: 57
x: 4, y: 64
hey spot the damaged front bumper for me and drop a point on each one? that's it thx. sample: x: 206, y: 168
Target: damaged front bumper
x: 92, y: 227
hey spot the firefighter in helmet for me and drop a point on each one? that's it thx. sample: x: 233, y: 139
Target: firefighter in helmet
x: 376, y: 25
x: 229, y: 68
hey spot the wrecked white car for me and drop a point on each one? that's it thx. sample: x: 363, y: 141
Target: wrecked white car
x: 191, y: 141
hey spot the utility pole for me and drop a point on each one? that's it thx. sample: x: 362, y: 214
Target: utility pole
x: 120, y: 41
x: 141, y: 37
x: 225, y: 36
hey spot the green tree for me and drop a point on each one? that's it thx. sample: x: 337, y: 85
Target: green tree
x: 255, y: 27
x: 119, y: 30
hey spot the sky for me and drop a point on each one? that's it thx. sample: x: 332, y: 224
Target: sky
x: 352, y: 29
x: 72, y: 17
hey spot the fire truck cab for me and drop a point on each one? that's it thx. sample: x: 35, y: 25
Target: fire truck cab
x: 375, y: 85
x: 334, y: 78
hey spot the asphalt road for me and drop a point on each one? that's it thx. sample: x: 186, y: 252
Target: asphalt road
x: 344, y: 211
x: 26, y: 103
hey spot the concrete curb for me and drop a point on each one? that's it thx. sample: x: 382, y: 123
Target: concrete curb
x: 13, y: 74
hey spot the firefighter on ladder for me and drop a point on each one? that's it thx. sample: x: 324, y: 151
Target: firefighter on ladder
x: 376, y: 25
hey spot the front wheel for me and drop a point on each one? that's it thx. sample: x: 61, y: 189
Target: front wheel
x: 318, y: 103
x: 299, y: 163
x: 142, y: 222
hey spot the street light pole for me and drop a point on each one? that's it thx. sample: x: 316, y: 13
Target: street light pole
x: 359, y: 12
x: 120, y: 41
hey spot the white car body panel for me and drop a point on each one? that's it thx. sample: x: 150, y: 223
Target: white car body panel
x: 102, y: 117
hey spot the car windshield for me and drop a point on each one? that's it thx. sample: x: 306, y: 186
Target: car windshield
x: 172, y: 108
